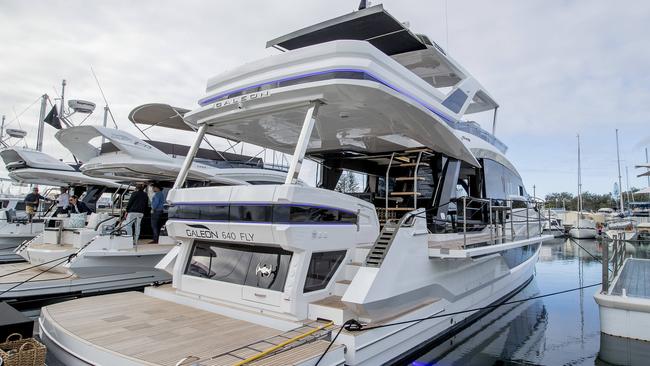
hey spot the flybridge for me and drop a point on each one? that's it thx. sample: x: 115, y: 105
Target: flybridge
x: 454, y: 88
x: 416, y: 52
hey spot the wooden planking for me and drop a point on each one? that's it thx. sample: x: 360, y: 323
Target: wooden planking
x: 331, y: 302
x: 634, y: 278
x: 458, y: 241
x: 26, y: 273
x: 296, y: 355
x: 152, y: 330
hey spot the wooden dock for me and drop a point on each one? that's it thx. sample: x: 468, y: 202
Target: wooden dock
x: 634, y: 278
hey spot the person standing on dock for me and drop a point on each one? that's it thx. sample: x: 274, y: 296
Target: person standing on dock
x: 157, y: 207
x: 135, y: 209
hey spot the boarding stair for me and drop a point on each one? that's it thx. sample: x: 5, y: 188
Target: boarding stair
x: 382, y: 244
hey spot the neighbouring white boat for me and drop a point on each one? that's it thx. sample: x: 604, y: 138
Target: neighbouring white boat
x: 98, y: 253
x: 584, y: 229
x: 28, y: 166
x: 444, y: 226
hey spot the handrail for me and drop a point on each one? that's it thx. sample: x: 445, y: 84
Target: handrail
x: 499, y: 214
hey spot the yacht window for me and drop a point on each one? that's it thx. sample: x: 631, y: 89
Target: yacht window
x: 500, y: 182
x: 519, y: 204
x: 20, y: 206
x: 256, y: 266
x: 263, y: 182
x: 265, y: 213
x: 307, y: 214
x: 214, y: 212
x: 455, y: 101
x: 200, y: 212
x: 4, y: 203
x: 252, y: 213
x: 322, y: 267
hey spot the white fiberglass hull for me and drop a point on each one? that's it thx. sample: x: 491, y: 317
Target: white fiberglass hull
x: 371, y: 347
x: 583, y: 233
x: 385, y: 345
x: 88, y: 272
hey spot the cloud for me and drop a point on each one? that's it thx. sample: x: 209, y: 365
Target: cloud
x: 556, y: 68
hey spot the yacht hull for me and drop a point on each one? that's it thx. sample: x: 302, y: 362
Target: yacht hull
x: 373, y: 347
x: 8, y: 242
x: 88, y: 272
x: 394, y: 345
x: 583, y: 233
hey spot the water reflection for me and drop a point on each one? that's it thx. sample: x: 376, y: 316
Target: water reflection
x: 557, y: 330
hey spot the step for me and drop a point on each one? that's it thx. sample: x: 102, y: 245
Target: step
x: 330, y: 308
x: 351, y: 269
x: 405, y: 193
x: 400, y: 209
x: 341, y: 286
x: 413, y: 164
x: 359, y: 254
x: 400, y: 179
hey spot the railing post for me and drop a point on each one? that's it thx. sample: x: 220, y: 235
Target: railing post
x: 605, y: 267
x: 512, y: 219
x: 527, y: 224
x: 490, y: 220
x: 464, y: 221
x: 386, y: 184
x: 539, y: 220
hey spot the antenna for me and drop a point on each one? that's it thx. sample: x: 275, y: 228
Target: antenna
x: 446, y: 27
x: 106, y: 101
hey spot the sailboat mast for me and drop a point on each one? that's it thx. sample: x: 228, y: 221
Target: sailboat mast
x: 620, y: 184
x: 646, y: 160
x: 579, y: 182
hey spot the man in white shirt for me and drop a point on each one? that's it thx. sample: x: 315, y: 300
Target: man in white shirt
x: 63, y: 201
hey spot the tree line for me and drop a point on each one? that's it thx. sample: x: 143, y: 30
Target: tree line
x: 592, y: 201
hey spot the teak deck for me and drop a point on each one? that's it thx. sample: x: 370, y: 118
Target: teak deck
x: 160, y: 332
x: 7, y: 274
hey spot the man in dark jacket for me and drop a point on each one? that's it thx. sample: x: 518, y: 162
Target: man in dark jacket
x: 32, y: 201
x: 136, y: 207
x: 76, y: 206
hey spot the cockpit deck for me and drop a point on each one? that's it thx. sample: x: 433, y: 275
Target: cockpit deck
x: 133, y: 327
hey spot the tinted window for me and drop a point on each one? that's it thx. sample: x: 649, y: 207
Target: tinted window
x: 252, y: 213
x: 262, y: 213
x: 214, y: 212
x: 268, y: 270
x: 20, y: 206
x: 261, y: 267
x: 500, y: 181
x: 200, y: 212
x: 322, y: 267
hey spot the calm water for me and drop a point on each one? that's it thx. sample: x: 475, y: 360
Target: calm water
x: 557, y: 330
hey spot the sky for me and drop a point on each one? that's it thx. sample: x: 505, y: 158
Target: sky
x: 557, y: 68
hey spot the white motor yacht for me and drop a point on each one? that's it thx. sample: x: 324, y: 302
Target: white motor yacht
x: 267, y: 274
x: 28, y: 166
